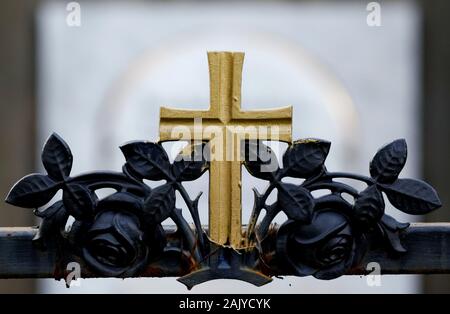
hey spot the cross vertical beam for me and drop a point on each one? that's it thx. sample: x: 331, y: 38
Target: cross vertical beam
x: 224, y: 220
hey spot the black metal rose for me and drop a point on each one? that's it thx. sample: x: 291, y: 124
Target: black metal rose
x: 325, y: 248
x: 114, y: 244
x: 118, y: 242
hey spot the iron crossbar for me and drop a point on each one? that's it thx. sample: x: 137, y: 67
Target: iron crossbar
x: 428, y: 252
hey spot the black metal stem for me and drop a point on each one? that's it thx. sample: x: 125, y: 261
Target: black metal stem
x: 109, y: 179
x: 257, y: 210
x: 335, y: 175
x: 334, y: 186
x: 187, y: 233
x: 194, y: 213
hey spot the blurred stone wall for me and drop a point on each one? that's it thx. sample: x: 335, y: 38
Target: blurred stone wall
x: 17, y: 118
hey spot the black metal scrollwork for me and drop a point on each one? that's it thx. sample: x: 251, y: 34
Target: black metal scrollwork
x: 121, y: 235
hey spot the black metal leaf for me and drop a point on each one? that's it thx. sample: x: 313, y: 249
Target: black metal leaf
x: 305, y: 157
x: 393, y: 224
x: 50, y: 211
x: 148, y: 160
x: 57, y: 158
x: 190, y: 164
x: 32, y: 191
x: 296, y: 202
x: 411, y: 196
x: 394, y: 241
x: 53, y: 222
x: 369, y: 207
x: 260, y: 160
x: 389, y: 161
x: 79, y: 201
x: 390, y: 229
x: 159, y: 205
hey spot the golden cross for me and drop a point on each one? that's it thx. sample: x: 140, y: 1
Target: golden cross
x: 225, y: 116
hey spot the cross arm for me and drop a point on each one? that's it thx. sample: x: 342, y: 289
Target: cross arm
x: 279, y: 113
x: 167, y: 113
